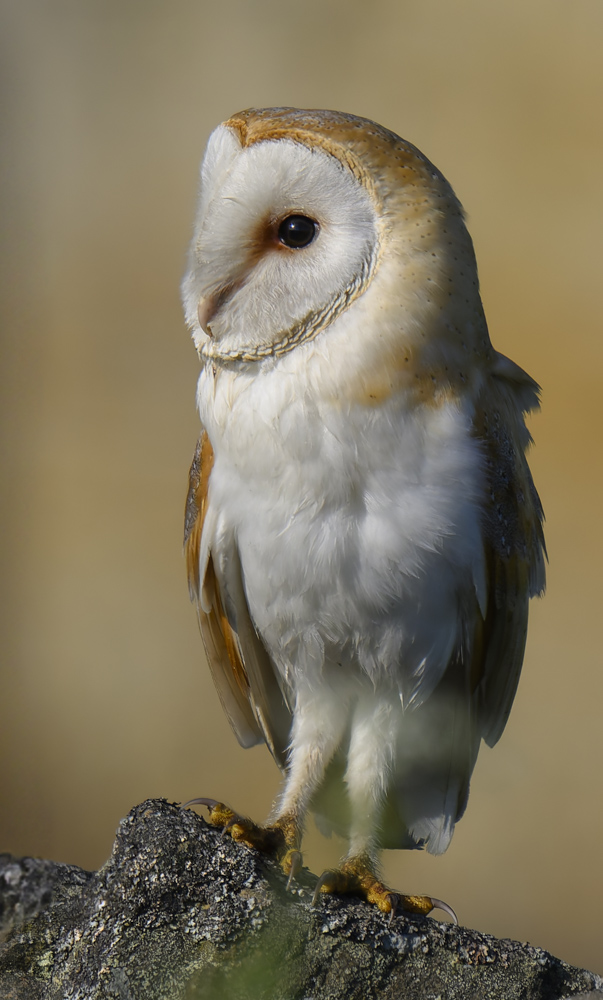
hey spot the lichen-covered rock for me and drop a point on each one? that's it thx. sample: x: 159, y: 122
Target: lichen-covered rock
x: 180, y: 913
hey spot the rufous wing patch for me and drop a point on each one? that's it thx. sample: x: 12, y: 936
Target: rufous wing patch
x: 195, y: 510
x: 242, y: 670
x: 219, y: 639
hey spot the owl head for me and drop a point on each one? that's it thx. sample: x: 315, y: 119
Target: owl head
x: 322, y: 231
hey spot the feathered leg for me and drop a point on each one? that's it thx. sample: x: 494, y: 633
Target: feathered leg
x: 371, y: 758
x: 318, y: 727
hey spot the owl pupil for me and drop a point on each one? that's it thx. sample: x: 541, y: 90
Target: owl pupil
x: 297, y: 231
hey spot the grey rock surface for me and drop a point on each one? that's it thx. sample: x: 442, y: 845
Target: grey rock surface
x: 180, y: 913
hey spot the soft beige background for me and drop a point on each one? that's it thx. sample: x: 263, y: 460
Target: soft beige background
x: 104, y: 695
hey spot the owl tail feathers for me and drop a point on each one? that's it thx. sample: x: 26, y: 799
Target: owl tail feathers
x: 435, y: 833
x: 431, y: 816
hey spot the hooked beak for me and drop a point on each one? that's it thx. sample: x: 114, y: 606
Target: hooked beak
x: 206, y: 310
x: 209, y: 306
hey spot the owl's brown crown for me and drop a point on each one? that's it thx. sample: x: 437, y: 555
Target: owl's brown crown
x: 362, y: 145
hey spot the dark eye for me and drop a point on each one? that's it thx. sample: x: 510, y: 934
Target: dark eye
x: 297, y: 231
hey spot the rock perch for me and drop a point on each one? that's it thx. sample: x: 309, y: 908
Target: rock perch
x: 180, y: 913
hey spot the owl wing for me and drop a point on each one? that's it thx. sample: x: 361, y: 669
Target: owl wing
x: 473, y: 698
x: 242, y: 671
x: 514, y: 543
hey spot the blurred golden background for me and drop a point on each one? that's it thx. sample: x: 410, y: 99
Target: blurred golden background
x: 105, y: 698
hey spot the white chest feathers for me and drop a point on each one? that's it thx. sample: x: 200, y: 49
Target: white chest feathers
x: 358, y: 532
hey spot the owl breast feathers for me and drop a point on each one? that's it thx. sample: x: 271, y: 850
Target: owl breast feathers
x: 362, y: 530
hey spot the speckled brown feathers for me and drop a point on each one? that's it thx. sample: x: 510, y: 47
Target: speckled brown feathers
x: 220, y: 641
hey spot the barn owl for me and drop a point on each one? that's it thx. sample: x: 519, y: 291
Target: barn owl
x: 362, y: 531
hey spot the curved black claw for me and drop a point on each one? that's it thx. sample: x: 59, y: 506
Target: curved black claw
x: 228, y: 825
x: 327, y: 876
x: 394, y: 900
x: 438, y: 904
x: 296, y: 861
x: 210, y: 803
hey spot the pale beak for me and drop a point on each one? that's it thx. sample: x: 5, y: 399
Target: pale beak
x: 206, y: 310
x: 208, y: 306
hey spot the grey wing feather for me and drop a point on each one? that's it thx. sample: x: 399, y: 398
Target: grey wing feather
x: 269, y: 706
x: 514, y: 541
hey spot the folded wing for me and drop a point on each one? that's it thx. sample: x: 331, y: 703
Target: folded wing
x: 241, y: 668
x: 513, y: 537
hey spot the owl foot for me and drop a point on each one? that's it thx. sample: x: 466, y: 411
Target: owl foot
x: 357, y: 877
x: 279, y: 840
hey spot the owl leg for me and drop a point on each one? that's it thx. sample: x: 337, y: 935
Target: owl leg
x: 370, y: 762
x: 318, y: 726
